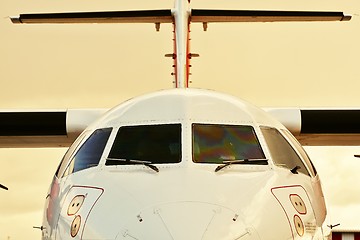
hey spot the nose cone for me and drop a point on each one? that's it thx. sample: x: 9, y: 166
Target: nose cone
x: 187, y: 220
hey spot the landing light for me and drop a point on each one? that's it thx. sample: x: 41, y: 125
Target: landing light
x: 75, y: 226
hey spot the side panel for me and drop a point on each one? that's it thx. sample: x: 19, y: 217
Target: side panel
x: 296, y: 205
x: 75, y: 210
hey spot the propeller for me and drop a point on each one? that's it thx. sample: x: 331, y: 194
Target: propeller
x: 3, y: 187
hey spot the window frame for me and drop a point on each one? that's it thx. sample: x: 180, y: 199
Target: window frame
x: 301, y: 151
x: 112, y: 152
x: 291, y: 146
x: 65, y: 161
x: 82, y: 142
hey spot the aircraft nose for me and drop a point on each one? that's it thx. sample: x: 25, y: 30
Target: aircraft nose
x: 187, y: 220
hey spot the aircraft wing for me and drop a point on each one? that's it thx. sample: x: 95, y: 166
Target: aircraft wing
x: 59, y: 128
x: 44, y: 128
x: 321, y: 127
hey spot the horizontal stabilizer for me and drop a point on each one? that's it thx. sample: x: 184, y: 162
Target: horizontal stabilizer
x: 165, y: 16
x: 321, y: 127
x: 138, y: 16
x: 207, y: 15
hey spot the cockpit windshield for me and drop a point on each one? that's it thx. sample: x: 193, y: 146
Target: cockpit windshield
x: 214, y: 143
x: 155, y: 144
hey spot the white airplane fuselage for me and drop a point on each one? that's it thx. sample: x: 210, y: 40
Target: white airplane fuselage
x: 185, y: 198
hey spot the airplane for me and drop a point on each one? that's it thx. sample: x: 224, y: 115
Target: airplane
x: 182, y: 163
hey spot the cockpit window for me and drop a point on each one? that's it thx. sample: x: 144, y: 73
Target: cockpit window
x: 220, y: 143
x: 155, y: 144
x: 67, y: 157
x: 281, y: 151
x: 301, y: 151
x: 90, y: 152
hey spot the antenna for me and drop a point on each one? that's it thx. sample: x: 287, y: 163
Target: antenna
x: 332, y: 226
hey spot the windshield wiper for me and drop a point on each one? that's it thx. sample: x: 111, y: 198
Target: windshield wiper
x: 133, y: 161
x: 241, y: 161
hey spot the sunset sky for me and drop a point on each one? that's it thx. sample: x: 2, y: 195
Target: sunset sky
x: 100, y: 66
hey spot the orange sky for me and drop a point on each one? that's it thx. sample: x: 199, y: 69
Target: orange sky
x: 76, y: 66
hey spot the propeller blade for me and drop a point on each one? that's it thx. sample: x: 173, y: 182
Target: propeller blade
x: 3, y: 187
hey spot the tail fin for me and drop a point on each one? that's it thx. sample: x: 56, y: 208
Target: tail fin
x: 181, y: 16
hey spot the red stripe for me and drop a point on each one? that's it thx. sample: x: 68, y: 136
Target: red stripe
x: 175, y: 54
x: 188, y: 57
x: 336, y: 236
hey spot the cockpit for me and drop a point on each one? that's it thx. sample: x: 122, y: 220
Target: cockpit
x: 162, y: 144
x: 240, y: 140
